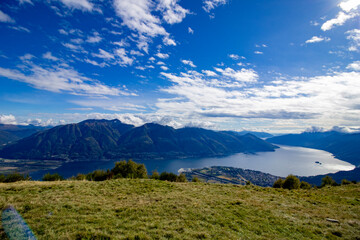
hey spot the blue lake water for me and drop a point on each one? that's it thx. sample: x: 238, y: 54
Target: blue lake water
x: 284, y: 161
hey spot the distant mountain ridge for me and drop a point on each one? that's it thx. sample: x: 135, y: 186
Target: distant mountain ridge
x: 344, y: 146
x: 109, y: 139
x: 11, y: 133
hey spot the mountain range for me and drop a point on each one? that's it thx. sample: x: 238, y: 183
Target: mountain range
x: 109, y: 139
x: 11, y: 133
x: 344, y: 146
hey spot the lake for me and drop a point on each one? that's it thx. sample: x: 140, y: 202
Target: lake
x: 284, y: 161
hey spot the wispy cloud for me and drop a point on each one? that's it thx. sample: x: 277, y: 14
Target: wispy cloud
x: 59, y: 79
x: 354, y: 37
x: 349, y: 11
x: 83, y: 5
x: 5, y: 18
x: 209, y: 5
x: 49, y: 56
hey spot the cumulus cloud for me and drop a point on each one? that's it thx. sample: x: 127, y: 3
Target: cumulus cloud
x: 172, y: 12
x: 340, y: 19
x: 103, y: 54
x: 59, y: 79
x: 354, y: 66
x: 188, y: 62
x: 209, y: 73
x: 234, y: 56
x: 162, y: 55
x: 209, y: 5
x: 7, y: 119
x: 5, y: 18
x: 349, y: 5
x: 316, y: 39
x: 330, y: 99
x: 164, y: 68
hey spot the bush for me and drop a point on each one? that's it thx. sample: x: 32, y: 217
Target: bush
x: 327, y: 180
x: 291, y: 182
x: 278, y: 183
x: 155, y: 175
x: 2, y: 178
x: 181, y: 178
x: 165, y: 176
x: 15, y: 177
x: 305, y: 185
x: 52, y: 177
x: 80, y: 177
x: 195, y: 179
x: 98, y: 175
x: 345, y: 182
x: 129, y: 169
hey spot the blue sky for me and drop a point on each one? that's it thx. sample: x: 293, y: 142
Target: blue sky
x: 276, y: 66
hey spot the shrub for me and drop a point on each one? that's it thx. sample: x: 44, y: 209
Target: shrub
x: 354, y: 181
x: 98, y: 175
x: 155, y: 175
x: 291, y: 182
x: 129, y: 169
x: 345, y: 182
x: 181, y: 178
x: 2, y: 178
x: 52, y: 177
x: 278, y: 183
x: 15, y: 177
x: 195, y: 179
x: 305, y: 185
x: 327, y: 180
x: 165, y: 176
x: 80, y: 177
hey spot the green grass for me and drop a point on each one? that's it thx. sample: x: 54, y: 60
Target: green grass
x: 150, y: 209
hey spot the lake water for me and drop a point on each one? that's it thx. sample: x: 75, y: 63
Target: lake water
x: 284, y: 161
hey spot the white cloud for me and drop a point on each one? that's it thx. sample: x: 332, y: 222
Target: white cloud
x: 316, y: 39
x: 172, y: 12
x: 94, y: 39
x: 190, y: 30
x: 59, y: 79
x: 103, y: 54
x: 72, y: 47
x: 168, y: 41
x: 331, y: 100
x: 164, y: 68
x: 92, y: 62
x: 243, y: 75
x: 349, y: 5
x: 258, y: 52
x: 137, y: 16
x: 7, y: 119
x: 209, y: 5
x: 340, y: 19
x: 162, y: 55
x: 354, y: 37
x: 188, y: 62
x: 5, y: 18
x: 49, y: 56
x: 152, y: 59
x: 83, y: 5
x: 234, y: 56
x: 136, y: 53
x: 124, y: 60
x: 27, y: 57
x: 209, y: 73
x: 354, y: 66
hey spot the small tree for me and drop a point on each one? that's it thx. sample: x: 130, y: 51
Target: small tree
x: 278, y: 183
x: 305, y: 185
x: 15, y: 177
x: 291, y: 182
x: 181, y: 178
x: 327, y: 180
x: 345, y: 182
x: 52, y: 177
x: 129, y: 169
x: 195, y: 179
x: 171, y: 177
x: 155, y: 175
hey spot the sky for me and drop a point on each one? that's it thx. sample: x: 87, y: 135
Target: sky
x: 263, y: 65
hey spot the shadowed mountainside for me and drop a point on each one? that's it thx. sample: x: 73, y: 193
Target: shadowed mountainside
x: 98, y: 139
x: 11, y: 133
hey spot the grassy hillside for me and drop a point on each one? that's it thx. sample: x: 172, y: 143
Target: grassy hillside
x: 150, y: 209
